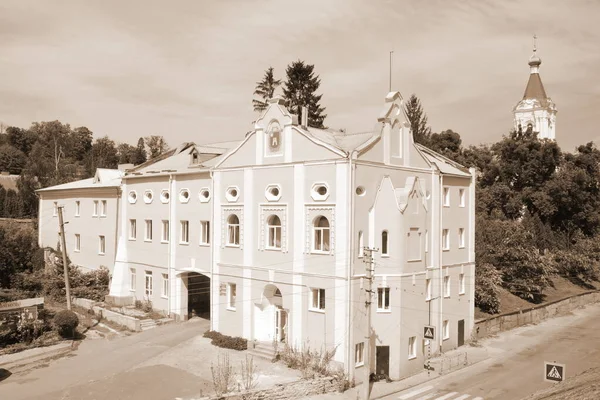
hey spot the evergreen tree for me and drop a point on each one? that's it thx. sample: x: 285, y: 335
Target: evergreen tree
x: 139, y: 155
x: 300, y: 90
x: 418, y: 120
x: 265, y: 90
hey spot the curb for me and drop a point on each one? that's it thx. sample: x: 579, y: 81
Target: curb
x: 20, y: 364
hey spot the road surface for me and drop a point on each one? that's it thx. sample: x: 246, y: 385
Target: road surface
x: 516, y: 368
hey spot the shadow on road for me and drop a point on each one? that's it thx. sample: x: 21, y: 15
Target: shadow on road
x: 4, y: 373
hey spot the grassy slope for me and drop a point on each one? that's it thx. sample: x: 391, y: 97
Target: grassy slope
x: 585, y: 386
x: 562, y: 288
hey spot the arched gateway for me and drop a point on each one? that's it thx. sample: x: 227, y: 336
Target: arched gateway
x: 270, y: 318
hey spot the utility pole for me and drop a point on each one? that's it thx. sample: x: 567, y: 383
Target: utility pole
x: 368, y: 259
x: 64, y: 255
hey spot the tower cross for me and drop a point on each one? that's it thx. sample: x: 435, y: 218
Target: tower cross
x: 534, y: 42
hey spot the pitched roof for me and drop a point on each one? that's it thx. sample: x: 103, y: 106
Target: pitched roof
x: 444, y: 164
x: 104, y: 178
x: 535, y: 89
x: 343, y: 141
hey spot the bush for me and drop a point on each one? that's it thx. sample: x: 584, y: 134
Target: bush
x: 312, y: 364
x: 226, y: 342
x: 65, y: 322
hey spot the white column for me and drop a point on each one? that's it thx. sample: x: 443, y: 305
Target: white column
x: 298, y: 264
x: 342, y: 260
x: 176, y: 292
x: 216, y: 244
x: 249, y: 248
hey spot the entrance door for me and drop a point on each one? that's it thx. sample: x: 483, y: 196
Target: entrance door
x: 461, y: 332
x: 281, y: 319
x: 382, y: 363
x: 198, y: 287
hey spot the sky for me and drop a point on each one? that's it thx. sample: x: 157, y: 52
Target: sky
x: 187, y: 69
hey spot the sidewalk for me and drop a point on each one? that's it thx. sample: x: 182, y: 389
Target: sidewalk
x: 446, y: 363
x: 32, y: 357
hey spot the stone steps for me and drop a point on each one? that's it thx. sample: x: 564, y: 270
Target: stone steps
x: 146, y: 324
x: 262, y: 350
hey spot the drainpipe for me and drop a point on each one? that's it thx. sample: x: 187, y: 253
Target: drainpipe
x: 350, y: 342
x: 440, y: 261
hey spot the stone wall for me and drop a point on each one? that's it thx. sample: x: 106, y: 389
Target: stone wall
x: 289, y: 391
x: 131, y: 323
x: 533, y: 315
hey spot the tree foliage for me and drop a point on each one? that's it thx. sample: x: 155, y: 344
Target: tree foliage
x: 265, y: 89
x: 300, y: 89
x: 418, y: 120
x: 157, y: 145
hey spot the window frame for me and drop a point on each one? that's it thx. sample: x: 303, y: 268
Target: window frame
x: 359, y: 354
x: 184, y: 231
x: 383, y: 299
x: 101, y: 245
x: 317, y: 297
x: 461, y: 238
x: 446, y: 329
x: 164, y: 290
x: 321, y: 231
x: 233, y: 231
x: 461, y: 284
x: 148, y: 289
x: 148, y: 230
x: 204, y: 233
x: 55, y: 209
x: 385, y: 243
x: 132, y: 279
x: 77, y: 208
x: 231, y: 296
x: 447, y: 291
x: 77, y: 243
x: 165, y: 233
x: 445, y: 239
x: 361, y: 244
x: 446, y: 196
x: 96, y: 208
x: 412, y: 347
x: 132, y: 229
x: 274, y: 232
x: 428, y: 286
x: 461, y: 198
x: 103, y: 208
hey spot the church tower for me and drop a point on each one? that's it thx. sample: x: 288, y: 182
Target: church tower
x: 536, y: 110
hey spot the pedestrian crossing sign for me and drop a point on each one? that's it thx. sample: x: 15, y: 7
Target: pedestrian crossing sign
x: 554, y: 372
x: 429, y: 332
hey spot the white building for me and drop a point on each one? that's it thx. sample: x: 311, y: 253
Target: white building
x: 536, y: 110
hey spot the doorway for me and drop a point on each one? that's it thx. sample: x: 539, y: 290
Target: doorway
x: 461, y: 332
x: 382, y: 361
x: 198, y: 288
x: 281, y: 318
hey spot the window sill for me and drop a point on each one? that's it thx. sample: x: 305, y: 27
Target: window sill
x: 184, y: 243
x: 446, y: 338
x: 164, y: 297
x: 101, y: 254
x: 446, y: 205
x: 412, y: 357
x: 316, y: 310
x: 230, y: 308
x: 164, y: 241
x: 384, y: 311
x: 415, y: 260
x: 76, y: 251
x: 462, y: 294
x: 358, y: 365
x: 76, y: 216
x: 461, y: 247
x: 204, y: 244
x: 272, y: 248
x: 132, y: 239
x: 132, y: 290
x: 148, y: 240
x: 446, y: 297
x: 385, y: 256
x: 428, y: 299
x: 448, y: 249
x: 235, y: 246
x: 325, y: 253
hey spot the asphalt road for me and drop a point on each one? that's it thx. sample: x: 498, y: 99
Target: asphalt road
x: 103, y: 369
x: 515, y: 369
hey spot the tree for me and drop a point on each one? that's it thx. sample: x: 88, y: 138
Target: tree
x: 103, y: 154
x: 418, y: 120
x: 157, y: 145
x: 11, y: 159
x: 300, y: 90
x: 81, y: 143
x: 54, y: 137
x: 139, y: 155
x: 126, y: 153
x: 21, y: 139
x: 265, y: 90
x: 447, y: 143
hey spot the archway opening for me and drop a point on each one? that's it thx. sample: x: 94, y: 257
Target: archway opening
x: 198, y: 292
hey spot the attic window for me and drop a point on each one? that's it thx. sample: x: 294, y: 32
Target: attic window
x: 320, y: 191
x: 273, y: 192
x: 195, y: 158
x: 184, y: 195
x: 232, y: 194
x: 204, y: 195
x: 164, y: 196
x: 148, y: 196
x: 132, y: 197
x: 360, y: 191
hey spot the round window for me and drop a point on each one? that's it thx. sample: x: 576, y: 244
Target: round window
x: 148, y: 196
x: 360, y: 190
x: 132, y: 196
x: 233, y: 192
x: 322, y: 190
x: 205, y: 194
x: 185, y: 195
x: 275, y: 191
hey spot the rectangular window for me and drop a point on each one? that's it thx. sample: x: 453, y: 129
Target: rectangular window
x: 204, y: 232
x: 461, y: 238
x: 461, y: 197
x: 102, y: 245
x: 77, y: 208
x: 164, y: 237
x: 132, y: 279
x: 361, y: 244
x: 446, y: 329
x: 103, y: 208
x: 318, y: 299
x: 55, y: 210
x: 446, y: 197
x: 359, y: 354
x: 148, y: 233
x: 384, y: 243
x: 426, y: 241
x: 132, y: 229
x: 231, y: 295
x: 461, y: 284
x: 165, y: 286
x: 427, y: 289
x: 185, y: 232
x: 77, y: 242
x: 383, y: 299
x: 446, y: 286
x: 445, y: 240
x: 412, y: 347
x: 95, y: 208
x: 148, y: 286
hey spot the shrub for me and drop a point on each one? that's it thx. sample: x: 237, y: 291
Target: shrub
x: 249, y: 373
x: 312, y: 364
x: 226, y: 342
x: 223, y: 375
x: 65, y: 322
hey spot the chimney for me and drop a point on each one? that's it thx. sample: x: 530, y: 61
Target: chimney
x: 304, y: 117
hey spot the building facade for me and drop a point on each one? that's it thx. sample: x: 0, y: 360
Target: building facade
x: 91, y: 212
x: 536, y: 111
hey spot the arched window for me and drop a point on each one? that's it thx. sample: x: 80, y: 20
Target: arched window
x: 384, y: 243
x: 361, y: 244
x: 233, y: 230
x: 321, y: 234
x: 274, y: 229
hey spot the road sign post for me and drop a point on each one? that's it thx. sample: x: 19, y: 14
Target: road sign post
x: 429, y: 332
x: 554, y: 372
